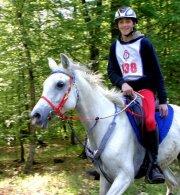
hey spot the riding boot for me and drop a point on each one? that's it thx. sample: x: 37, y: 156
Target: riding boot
x: 154, y: 173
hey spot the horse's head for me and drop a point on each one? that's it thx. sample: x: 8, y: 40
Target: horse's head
x: 59, y: 92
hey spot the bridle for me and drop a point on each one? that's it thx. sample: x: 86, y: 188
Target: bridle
x: 58, y: 108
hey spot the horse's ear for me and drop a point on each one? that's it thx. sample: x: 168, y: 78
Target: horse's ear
x: 52, y: 64
x: 65, y: 61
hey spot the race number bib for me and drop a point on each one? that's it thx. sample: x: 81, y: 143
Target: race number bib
x: 129, y: 68
x: 129, y: 60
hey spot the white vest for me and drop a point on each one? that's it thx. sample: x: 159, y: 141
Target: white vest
x: 129, y: 59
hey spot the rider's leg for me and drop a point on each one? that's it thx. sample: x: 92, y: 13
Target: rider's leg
x: 154, y: 173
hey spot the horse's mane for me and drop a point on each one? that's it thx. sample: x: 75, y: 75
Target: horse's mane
x: 96, y: 80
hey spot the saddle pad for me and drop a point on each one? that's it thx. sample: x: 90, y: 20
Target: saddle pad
x: 164, y: 124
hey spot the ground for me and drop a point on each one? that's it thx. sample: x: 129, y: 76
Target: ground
x: 68, y: 177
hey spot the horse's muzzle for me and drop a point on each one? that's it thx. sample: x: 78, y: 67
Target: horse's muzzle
x: 36, y: 118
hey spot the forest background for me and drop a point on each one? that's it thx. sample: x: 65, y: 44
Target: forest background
x: 33, y: 30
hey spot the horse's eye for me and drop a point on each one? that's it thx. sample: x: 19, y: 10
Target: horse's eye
x: 60, y: 84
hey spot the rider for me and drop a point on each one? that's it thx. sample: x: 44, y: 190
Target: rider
x: 133, y: 66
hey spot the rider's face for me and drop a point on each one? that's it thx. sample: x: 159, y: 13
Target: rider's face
x: 125, y: 26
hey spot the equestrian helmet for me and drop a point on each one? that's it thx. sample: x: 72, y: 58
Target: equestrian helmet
x: 125, y: 12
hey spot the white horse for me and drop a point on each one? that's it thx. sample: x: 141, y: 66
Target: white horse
x: 70, y: 86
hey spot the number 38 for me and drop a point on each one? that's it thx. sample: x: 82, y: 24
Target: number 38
x: 129, y: 68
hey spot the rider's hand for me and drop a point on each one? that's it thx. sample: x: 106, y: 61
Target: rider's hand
x: 163, y: 109
x: 127, y: 89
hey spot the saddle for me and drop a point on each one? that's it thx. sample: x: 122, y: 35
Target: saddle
x: 136, y: 117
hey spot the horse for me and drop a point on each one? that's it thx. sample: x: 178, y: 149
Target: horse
x: 111, y: 140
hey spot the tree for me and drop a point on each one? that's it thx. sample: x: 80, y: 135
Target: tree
x: 32, y: 31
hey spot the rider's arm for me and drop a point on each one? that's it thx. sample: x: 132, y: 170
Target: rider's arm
x: 113, y: 69
x: 152, y: 69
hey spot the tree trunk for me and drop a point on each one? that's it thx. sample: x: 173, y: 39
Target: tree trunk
x: 27, y: 60
x: 30, y: 159
x: 22, y: 159
x: 73, y: 140
x: 94, y: 32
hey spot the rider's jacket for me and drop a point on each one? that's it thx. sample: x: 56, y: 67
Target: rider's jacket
x: 135, y: 62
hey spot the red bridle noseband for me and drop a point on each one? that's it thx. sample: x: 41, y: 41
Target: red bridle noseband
x: 58, y: 109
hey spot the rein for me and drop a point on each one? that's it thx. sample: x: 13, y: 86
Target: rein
x: 136, y: 94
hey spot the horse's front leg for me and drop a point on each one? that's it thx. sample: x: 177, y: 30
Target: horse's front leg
x: 121, y: 183
x: 104, y: 185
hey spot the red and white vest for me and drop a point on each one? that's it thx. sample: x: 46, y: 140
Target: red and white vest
x: 129, y: 60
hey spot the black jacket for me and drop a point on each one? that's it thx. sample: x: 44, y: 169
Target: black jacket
x: 152, y: 77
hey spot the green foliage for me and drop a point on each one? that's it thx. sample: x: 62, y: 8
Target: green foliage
x: 47, y: 28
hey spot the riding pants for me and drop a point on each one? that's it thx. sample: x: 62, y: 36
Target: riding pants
x: 148, y: 103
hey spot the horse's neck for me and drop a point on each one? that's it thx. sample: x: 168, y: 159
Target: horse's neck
x: 93, y: 104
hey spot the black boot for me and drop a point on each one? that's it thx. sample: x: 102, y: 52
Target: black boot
x: 154, y: 173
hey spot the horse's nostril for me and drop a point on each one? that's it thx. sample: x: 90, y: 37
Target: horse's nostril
x: 37, y: 115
